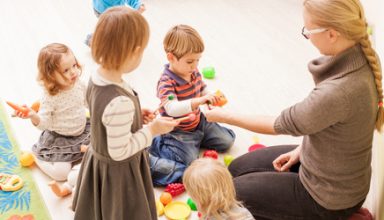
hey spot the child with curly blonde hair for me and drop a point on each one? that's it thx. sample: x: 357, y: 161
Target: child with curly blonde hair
x: 210, y: 186
x: 62, y: 116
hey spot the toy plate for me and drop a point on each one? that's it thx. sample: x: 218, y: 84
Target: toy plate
x: 177, y: 210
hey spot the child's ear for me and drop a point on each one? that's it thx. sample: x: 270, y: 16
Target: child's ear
x: 333, y: 35
x: 170, y: 57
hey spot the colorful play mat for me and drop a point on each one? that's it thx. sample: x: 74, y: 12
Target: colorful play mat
x: 25, y: 202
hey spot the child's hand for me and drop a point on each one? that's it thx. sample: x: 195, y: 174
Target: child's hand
x: 162, y: 125
x: 210, y: 99
x: 147, y: 115
x: 24, y: 115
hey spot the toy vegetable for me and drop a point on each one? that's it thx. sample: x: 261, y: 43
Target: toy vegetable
x: 211, y: 153
x: 19, y: 108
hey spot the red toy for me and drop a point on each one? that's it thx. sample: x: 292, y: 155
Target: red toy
x: 255, y: 147
x: 19, y: 108
x: 175, y: 189
x: 211, y: 153
x: 361, y: 214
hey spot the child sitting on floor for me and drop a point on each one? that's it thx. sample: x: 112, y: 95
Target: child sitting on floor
x: 171, y: 153
x: 62, y: 117
x: 210, y: 186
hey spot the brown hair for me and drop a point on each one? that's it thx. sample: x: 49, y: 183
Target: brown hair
x: 181, y: 40
x: 210, y: 185
x: 48, y: 64
x: 119, y: 32
x: 347, y: 17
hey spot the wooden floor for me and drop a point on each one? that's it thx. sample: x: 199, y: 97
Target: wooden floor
x: 255, y: 46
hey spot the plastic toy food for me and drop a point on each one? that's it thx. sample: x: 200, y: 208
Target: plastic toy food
x: 191, y: 204
x: 209, y: 72
x: 26, y: 159
x: 169, y: 98
x: 255, y: 147
x: 175, y: 189
x: 228, y: 159
x: 189, y: 117
x: 177, y: 210
x: 222, y: 100
x: 18, y: 108
x: 10, y: 182
x: 159, y: 208
x: 35, y: 106
x: 165, y: 198
x: 211, y: 153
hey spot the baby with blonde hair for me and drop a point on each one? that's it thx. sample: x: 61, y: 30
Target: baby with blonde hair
x: 210, y: 186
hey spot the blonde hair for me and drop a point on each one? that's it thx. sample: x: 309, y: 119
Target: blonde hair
x: 48, y: 64
x: 181, y: 40
x: 347, y: 17
x: 119, y: 32
x: 210, y: 185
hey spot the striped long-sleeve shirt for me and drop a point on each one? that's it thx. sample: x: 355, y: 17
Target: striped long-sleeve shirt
x: 171, y: 84
x: 117, y: 119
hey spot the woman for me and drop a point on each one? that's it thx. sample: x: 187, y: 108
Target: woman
x: 328, y: 175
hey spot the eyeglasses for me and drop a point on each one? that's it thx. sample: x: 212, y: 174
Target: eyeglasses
x: 305, y: 32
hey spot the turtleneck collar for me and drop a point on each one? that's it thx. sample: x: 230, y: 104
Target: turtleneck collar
x: 327, y: 67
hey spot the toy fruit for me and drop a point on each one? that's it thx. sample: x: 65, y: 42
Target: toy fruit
x: 209, y: 72
x: 10, y: 182
x: 223, y: 100
x: 211, y: 153
x: 191, y: 204
x: 175, y: 189
x: 159, y: 208
x: 26, y: 159
x: 255, y: 147
x: 228, y: 159
x: 35, y: 106
x: 165, y: 198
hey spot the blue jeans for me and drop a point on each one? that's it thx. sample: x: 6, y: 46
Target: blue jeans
x: 172, y: 153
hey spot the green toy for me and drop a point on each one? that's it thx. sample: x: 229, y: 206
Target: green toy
x: 209, y: 72
x: 228, y: 159
x: 191, y: 204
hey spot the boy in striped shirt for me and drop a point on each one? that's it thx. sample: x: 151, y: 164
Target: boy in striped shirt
x: 171, y: 154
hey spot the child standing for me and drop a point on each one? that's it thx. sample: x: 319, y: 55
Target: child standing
x: 172, y: 153
x: 115, y: 180
x: 210, y: 186
x: 62, y: 116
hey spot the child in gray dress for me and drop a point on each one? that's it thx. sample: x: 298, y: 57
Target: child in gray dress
x: 115, y: 180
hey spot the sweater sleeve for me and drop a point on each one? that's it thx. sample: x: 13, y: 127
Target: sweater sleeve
x: 118, y: 118
x: 46, y: 111
x: 325, y: 106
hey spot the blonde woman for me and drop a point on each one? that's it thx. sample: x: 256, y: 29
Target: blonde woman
x: 210, y: 186
x: 328, y: 175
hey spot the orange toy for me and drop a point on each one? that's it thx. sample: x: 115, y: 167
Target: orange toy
x: 222, y: 100
x: 18, y: 108
x: 35, y: 106
x: 165, y: 198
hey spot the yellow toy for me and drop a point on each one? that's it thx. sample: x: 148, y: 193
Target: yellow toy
x: 10, y: 182
x: 159, y: 208
x: 26, y: 159
x: 177, y: 210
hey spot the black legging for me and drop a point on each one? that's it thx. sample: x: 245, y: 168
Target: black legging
x: 277, y: 195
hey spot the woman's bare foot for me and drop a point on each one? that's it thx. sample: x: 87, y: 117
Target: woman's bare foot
x: 60, y: 192
x: 83, y: 148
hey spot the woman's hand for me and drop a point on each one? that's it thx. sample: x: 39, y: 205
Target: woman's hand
x: 285, y: 161
x: 217, y: 114
x: 162, y: 125
x: 147, y: 115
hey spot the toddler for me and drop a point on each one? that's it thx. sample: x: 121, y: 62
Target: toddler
x: 115, y: 180
x: 210, y: 186
x: 62, y: 117
x: 172, y: 153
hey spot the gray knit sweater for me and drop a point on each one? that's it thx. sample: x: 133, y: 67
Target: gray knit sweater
x: 337, y: 121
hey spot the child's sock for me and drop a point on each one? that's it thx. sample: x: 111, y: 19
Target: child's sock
x: 60, y: 191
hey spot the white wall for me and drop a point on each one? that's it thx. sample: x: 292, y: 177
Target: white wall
x: 375, y: 200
